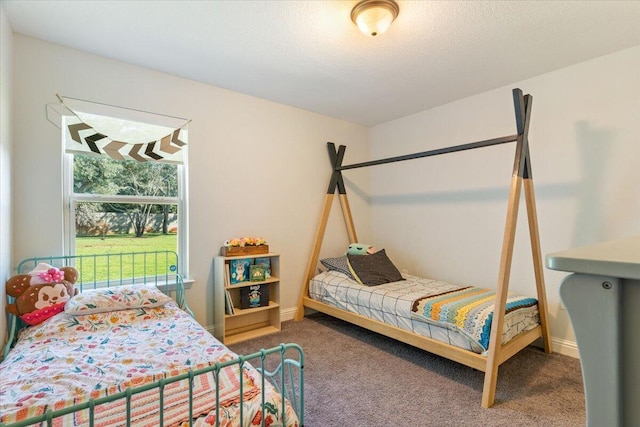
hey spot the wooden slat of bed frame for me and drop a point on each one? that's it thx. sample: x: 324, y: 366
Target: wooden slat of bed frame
x: 518, y: 343
x: 440, y: 348
x: 457, y: 354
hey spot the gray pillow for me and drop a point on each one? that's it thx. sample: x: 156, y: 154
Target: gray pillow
x: 373, y: 270
x: 338, y: 264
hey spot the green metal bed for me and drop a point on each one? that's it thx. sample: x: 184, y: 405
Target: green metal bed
x: 161, y: 269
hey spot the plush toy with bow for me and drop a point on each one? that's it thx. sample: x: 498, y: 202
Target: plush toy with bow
x: 41, y: 293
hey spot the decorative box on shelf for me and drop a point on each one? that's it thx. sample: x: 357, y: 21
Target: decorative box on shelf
x: 244, y: 250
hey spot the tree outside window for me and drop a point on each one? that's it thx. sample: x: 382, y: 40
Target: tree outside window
x: 123, y: 206
x: 104, y: 176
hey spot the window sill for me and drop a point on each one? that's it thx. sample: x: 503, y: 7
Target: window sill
x: 165, y: 285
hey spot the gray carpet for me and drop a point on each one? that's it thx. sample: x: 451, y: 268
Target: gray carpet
x: 354, y: 377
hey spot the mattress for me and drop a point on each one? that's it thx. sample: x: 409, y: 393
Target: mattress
x: 402, y: 304
x: 69, y: 359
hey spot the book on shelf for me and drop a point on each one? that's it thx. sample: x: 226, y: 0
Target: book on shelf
x: 266, y: 263
x: 230, y: 309
x: 239, y: 269
x: 257, y: 273
x: 227, y: 280
x: 254, y: 296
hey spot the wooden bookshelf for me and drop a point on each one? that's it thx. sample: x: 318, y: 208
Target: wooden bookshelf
x: 244, y: 323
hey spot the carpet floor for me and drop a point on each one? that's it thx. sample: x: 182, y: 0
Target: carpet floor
x: 358, y: 378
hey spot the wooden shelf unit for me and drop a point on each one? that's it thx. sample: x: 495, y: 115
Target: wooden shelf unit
x: 245, y: 323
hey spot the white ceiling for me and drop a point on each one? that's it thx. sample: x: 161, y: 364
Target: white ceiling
x: 309, y: 54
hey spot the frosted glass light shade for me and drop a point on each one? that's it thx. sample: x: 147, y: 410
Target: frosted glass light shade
x: 374, y: 17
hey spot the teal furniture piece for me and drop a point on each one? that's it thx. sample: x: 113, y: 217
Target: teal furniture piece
x: 602, y: 297
x: 282, y: 366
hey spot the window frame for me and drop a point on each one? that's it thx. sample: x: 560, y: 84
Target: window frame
x: 70, y: 200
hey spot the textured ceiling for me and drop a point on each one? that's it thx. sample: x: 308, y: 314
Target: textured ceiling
x: 309, y: 54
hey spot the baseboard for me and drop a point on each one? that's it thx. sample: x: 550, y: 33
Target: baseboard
x: 288, y: 314
x: 568, y: 348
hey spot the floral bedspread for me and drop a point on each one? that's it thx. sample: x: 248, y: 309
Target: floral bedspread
x: 68, y: 359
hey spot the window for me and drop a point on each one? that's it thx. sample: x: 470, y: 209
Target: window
x: 116, y: 205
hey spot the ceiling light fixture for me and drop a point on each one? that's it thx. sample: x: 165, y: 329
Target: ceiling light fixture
x: 374, y: 17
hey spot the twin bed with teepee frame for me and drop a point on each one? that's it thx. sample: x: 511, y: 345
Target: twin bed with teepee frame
x: 497, y: 352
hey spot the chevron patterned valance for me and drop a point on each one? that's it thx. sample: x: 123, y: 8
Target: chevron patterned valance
x: 120, y: 133
x: 81, y: 138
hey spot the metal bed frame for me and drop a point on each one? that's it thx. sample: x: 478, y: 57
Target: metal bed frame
x: 161, y: 269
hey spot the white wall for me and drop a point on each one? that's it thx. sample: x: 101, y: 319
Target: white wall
x: 584, y: 146
x: 585, y: 150
x: 255, y: 167
x: 6, y: 65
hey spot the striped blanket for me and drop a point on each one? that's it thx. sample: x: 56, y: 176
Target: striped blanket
x: 468, y: 310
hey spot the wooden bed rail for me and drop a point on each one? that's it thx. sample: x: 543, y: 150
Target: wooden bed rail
x: 521, y: 177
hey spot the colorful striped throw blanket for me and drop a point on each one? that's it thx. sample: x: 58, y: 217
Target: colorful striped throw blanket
x: 468, y: 310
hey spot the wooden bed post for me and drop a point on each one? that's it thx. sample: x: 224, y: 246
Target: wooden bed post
x: 315, y: 253
x: 537, y: 262
x: 348, y: 218
x: 532, y: 219
x: 523, y: 113
x: 336, y: 182
x: 497, y: 323
x: 521, y: 172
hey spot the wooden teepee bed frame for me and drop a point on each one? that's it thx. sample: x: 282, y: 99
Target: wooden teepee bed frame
x: 497, y: 353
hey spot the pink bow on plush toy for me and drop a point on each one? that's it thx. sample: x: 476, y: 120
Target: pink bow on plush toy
x: 52, y: 275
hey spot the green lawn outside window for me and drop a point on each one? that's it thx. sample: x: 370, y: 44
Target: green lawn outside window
x: 115, y: 267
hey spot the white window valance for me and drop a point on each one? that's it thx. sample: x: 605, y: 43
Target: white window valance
x: 101, y: 130
x: 82, y: 138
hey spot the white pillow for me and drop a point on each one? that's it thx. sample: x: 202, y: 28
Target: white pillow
x: 116, y: 298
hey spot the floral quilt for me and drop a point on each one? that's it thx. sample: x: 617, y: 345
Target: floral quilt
x: 68, y: 359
